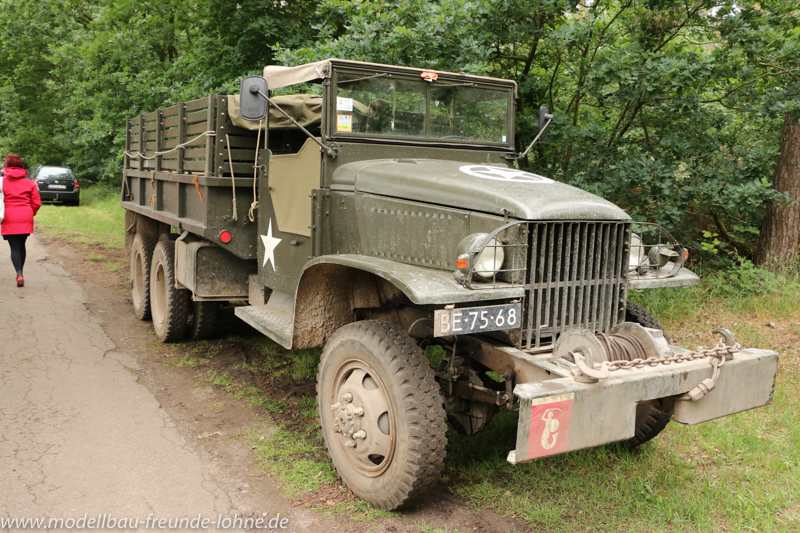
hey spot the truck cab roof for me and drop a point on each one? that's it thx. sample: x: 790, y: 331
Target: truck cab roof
x: 393, y: 104
x: 279, y: 76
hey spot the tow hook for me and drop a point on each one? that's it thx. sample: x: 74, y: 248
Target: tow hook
x: 511, y: 377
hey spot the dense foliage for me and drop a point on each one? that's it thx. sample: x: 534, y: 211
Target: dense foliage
x: 71, y: 72
x: 671, y: 108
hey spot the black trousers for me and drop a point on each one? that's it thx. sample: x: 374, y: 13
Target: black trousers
x: 17, y: 243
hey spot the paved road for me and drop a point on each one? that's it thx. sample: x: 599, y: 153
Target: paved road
x: 78, y: 434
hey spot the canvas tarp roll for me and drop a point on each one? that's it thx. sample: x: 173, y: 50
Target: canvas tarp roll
x: 304, y: 108
x: 278, y: 76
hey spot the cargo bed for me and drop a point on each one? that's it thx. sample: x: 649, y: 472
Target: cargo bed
x: 190, y: 187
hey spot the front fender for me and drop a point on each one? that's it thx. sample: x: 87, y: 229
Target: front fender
x: 423, y: 286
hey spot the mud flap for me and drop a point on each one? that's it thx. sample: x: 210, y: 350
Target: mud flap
x: 562, y: 415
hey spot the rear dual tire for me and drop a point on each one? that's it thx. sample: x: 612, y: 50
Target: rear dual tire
x: 176, y: 317
x: 141, y: 260
x: 169, y: 305
x: 202, y: 320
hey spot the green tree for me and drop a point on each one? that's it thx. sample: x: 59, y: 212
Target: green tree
x: 645, y: 93
x: 72, y: 72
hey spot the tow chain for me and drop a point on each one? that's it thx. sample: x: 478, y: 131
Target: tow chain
x: 718, y: 354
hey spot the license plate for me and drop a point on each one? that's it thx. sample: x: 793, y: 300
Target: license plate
x: 52, y: 186
x: 476, y: 319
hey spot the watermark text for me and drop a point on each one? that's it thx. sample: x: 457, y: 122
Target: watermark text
x: 108, y: 521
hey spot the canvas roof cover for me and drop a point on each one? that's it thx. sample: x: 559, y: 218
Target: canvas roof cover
x: 278, y: 76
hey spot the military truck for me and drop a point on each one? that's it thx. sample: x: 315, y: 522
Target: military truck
x: 385, y: 214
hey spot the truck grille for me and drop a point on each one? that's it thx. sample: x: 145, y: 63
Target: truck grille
x: 576, y: 278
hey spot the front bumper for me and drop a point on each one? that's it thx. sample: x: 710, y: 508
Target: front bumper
x: 563, y: 415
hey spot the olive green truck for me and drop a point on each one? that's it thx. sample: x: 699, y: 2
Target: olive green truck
x: 385, y: 215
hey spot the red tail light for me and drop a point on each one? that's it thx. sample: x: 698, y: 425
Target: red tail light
x: 225, y: 236
x: 76, y: 185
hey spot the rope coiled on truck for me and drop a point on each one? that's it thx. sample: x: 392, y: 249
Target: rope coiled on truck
x: 156, y: 154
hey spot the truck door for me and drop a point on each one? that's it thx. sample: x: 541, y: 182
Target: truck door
x: 284, y: 221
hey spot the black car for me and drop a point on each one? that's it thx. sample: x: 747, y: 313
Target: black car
x: 57, y: 183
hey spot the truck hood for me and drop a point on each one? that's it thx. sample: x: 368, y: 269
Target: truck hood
x: 482, y: 187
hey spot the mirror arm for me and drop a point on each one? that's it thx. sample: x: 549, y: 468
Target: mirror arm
x: 330, y: 151
x: 541, y: 131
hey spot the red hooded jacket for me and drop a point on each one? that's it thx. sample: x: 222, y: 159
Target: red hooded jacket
x: 22, y: 202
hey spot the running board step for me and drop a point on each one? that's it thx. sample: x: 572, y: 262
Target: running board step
x: 273, y: 322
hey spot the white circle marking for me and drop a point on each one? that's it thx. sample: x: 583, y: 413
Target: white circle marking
x: 503, y: 174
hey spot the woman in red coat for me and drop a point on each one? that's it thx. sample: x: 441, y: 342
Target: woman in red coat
x: 22, y: 202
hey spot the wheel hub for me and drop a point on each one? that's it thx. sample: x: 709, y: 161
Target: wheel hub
x: 348, y: 417
x: 363, y: 419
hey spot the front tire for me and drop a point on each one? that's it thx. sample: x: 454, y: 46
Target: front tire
x: 381, y: 413
x: 169, y: 305
x: 141, y: 259
x: 651, y: 417
x: 640, y: 315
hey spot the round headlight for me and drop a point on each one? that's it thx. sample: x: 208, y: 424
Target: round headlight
x: 490, y: 260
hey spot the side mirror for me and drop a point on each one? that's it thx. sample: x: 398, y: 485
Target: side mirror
x: 544, y: 121
x: 544, y: 117
x: 253, y: 106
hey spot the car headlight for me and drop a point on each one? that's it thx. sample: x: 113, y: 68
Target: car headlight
x: 488, y: 262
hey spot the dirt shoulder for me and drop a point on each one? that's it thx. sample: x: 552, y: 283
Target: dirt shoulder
x: 210, y: 418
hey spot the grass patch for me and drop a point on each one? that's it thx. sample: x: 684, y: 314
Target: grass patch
x: 98, y: 220
x: 292, y: 458
x: 277, y: 362
x: 273, y: 406
x: 242, y: 391
x: 425, y: 528
x: 308, y: 408
x: 304, y: 364
x: 185, y: 361
x: 361, y: 511
x: 206, y: 349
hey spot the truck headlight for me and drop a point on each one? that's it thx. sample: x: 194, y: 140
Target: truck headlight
x: 637, y: 252
x: 490, y: 260
x: 487, y: 261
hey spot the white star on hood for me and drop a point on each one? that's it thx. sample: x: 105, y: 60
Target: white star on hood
x: 270, y: 243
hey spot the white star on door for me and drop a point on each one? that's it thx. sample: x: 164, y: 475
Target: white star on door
x: 270, y: 243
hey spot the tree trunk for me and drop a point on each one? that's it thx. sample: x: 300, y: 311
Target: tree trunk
x: 780, y: 234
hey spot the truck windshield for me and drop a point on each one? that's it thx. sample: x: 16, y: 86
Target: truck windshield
x: 380, y: 105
